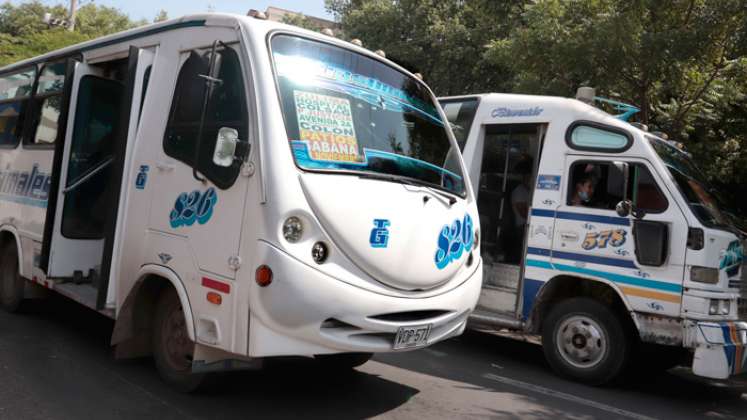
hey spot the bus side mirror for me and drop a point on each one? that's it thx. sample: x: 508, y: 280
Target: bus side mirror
x: 624, y: 208
x: 225, y: 147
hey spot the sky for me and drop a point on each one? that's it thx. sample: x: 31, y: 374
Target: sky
x: 148, y: 9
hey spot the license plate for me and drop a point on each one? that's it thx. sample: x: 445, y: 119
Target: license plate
x: 410, y: 337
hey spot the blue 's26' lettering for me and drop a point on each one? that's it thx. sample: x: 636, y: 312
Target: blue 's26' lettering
x: 193, y: 207
x: 453, y: 241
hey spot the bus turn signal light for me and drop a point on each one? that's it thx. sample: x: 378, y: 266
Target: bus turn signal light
x: 214, y: 298
x: 263, y: 276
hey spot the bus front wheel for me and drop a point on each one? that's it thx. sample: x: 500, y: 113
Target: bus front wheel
x: 586, y: 341
x: 11, y: 283
x: 172, y: 348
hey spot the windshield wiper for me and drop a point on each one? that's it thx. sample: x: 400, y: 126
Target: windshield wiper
x: 409, y: 181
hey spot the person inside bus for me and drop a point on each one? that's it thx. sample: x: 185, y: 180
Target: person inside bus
x: 520, y: 204
x: 583, y: 190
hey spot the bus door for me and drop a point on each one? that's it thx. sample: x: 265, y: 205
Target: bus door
x: 202, y: 193
x: 88, y: 166
x: 505, y: 187
x: 632, y: 250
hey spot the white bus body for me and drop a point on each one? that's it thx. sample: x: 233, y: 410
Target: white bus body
x: 320, y: 211
x: 556, y: 180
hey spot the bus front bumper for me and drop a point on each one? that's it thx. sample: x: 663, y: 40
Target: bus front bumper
x: 720, y: 349
x: 307, y: 312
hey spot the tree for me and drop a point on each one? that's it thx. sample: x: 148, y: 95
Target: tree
x: 445, y: 41
x: 161, y: 16
x: 24, y: 34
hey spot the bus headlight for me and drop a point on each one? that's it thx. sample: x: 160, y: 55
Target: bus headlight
x: 704, y: 275
x: 719, y: 307
x: 292, y: 229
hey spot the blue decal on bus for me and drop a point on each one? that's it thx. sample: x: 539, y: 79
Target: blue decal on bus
x: 142, y: 177
x: 548, y: 182
x: 25, y: 187
x: 380, y: 233
x: 193, y: 207
x: 453, y: 240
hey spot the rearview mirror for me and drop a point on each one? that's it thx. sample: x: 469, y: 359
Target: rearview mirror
x: 225, y: 147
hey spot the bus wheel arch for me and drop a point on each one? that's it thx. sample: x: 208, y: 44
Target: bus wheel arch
x: 134, y: 324
x: 564, y: 287
x: 11, y: 282
x: 587, y: 331
x: 9, y: 235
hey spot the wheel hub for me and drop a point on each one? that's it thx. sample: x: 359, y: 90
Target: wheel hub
x: 581, y: 342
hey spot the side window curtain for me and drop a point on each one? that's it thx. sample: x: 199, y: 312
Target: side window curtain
x: 47, y: 102
x: 226, y: 108
x: 15, y: 93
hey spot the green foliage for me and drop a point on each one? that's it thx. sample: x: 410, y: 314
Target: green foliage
x: 24, y: 34
x: 302, y: 21
x: 683, y: 62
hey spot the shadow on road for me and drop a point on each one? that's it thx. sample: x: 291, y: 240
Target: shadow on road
x: 496, y: 363
x: 61, y: 351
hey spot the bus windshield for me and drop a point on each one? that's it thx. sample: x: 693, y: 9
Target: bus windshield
x: 701, y: 197
x: 348, y: 113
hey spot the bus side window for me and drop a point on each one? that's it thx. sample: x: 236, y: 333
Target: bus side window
x: 644, y: 192
x: 595, y: 185
x: 47, y: 104
x: 15, y: 91
x: 600, y: 185
x: 226, y: 108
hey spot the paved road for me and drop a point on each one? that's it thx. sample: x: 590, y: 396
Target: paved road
x: 55, y: 363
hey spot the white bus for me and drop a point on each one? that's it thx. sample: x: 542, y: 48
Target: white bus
x: 600, y: 236
x: 228, y: 188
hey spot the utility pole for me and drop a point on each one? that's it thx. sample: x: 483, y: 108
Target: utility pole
x: 73, y: 10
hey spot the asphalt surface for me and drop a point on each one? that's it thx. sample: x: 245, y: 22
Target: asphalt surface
x: 56, y: 363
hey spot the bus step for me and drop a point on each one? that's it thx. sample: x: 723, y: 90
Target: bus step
x: 482, y: 318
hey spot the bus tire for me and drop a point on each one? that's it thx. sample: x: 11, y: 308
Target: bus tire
x: 586, y: 341
x: 343, y: 361
x: 172, y: 348
x: 11, y: 282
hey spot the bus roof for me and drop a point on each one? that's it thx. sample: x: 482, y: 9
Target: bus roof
x: 535, y: 108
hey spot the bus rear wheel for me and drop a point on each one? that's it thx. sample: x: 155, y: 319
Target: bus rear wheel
x: 586, y: 341
x: 11, y: 283
x: 172, y: 348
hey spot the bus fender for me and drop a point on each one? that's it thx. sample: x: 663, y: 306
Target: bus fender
x: 131, y: 332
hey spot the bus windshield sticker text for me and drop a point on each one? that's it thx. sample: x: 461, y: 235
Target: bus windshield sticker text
x: 193, y: 207
x: 142, y: 177
x: 453, y: 240
x: 368, y: 89
x: 380, y: 233
x: 732, y: 259
x: 25, y: 187
x: 325, y: 123
x: 548, y: 182
x: 522, y: 112
x: 614, y: 237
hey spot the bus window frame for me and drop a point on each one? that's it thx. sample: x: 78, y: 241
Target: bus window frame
x: 598, y: 126
x: 36, y: 102
x: 28, y: 103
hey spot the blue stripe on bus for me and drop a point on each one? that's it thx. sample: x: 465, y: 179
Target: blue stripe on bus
x: 567, y: 215
x: 594, y: 259
x: 613, y: 277
x: 531, y: 289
